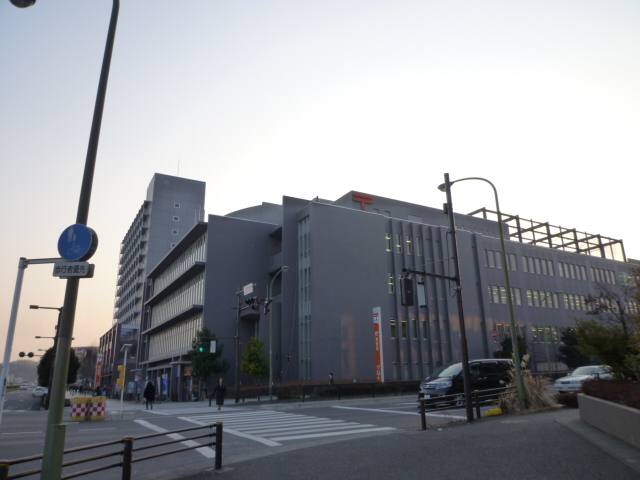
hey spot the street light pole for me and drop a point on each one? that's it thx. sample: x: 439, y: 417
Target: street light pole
x: 55, y: 347
x: 466, y: 378
x: 283, y: 269
x: 522, y: 393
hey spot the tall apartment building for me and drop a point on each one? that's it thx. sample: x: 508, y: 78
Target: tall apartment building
x: 172, y: 206
x: 345, y: 259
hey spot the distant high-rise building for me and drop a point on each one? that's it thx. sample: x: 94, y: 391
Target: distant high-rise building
x: 172, y: 207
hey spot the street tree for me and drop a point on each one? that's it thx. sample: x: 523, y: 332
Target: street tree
x: 611, y: 333
x: 506, y: 348
x: 44, y: 367
x: 254, y: 361
x: 204, y: 362
x: 569, y: 351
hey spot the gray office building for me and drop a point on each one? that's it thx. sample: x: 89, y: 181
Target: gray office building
x: 171, y: 208
x: 345, y: 259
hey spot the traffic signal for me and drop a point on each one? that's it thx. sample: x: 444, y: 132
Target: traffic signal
x: 253, y: 302
x: 201, y: 346
x: 406, y: 291
x: 22, y: 354
x: 120, y: 380
x: 265, y: 304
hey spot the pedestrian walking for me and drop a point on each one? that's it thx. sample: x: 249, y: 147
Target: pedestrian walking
x: 331, y: 378
x: 149, y: 394
x: 219, y: 392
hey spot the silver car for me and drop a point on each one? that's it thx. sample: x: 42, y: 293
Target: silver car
x: 573, y: 382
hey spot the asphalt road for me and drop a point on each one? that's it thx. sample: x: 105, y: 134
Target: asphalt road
x: 16, y: 400
x: 372, y: 439
x: 249, y: 430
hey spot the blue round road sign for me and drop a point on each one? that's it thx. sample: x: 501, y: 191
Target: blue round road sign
x: 77, y: 243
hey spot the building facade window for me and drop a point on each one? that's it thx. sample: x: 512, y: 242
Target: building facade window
x: 176, y: 205
x: 175, y: 219
x: 304, y: 315
x: 409, y: 245
x: 174, y: 232
x: 403, y: 323
x: 419, y: 246
x: 392, y: 285
x: 398, y: 243
x: 394, y: 327
x: 388, y: 242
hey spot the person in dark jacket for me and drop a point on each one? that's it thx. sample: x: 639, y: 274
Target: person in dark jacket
x: 149, y: 394
x: 219, y: 392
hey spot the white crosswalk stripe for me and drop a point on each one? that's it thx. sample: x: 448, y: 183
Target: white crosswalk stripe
x: 270, y: 427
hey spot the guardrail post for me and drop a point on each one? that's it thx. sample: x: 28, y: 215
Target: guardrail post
x: 127, y: 456
x: 4, y: 469
x: 218, y: 465
x: 476, y: 399
x: 423, y: 416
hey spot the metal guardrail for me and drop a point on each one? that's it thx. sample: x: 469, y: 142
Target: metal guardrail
x: 457, y: 401
x: 126, y: 452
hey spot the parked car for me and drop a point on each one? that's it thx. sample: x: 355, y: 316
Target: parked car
x: 485, y: 375
x: 38, y: 392
x: 573, y: 382
x: 23, y: 386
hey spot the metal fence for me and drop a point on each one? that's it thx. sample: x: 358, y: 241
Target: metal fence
x: 126, y: 452
x: 457, y: 401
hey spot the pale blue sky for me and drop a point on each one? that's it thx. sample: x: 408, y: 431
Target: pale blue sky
x: 300, y: 98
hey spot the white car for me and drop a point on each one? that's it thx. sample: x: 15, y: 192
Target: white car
x: 573, y: 382
x: 23, y: 386
x: 38, y: 391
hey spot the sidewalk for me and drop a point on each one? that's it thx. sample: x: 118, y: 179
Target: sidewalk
x: 551, y: 445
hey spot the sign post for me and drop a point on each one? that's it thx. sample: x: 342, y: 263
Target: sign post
x: 377, y: 336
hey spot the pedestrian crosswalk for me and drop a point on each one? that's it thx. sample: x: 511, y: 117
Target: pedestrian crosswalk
x: 272, y: 427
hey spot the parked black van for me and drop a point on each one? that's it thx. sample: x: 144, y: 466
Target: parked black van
x: 485, y: 375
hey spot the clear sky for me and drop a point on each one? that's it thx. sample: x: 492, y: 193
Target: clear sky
x: 308, y: 98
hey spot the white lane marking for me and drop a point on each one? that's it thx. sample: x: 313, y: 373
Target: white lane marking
x: 331, y: 434
x: 401, y: 413
x: 157, y: 413
x: 264, y: 441
x: 19, y: 433
x: 205, y: 451
x: 323, y: 429
x: 280, y: 424
x: 325, y: 425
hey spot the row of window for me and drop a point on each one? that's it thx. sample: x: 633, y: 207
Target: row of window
x: 175, y: 340
x: 189, y: 294
x: 504, y: 331
x: 197, y: 252
x: 539, y: 266
x: 404, y: 328
x: 408, y: 240
x: 545, y: 334
x: 603, y: 276
x: 499, y: 295
x: 540, y: 298
x: 493, y: 259
x: 569, y: 270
